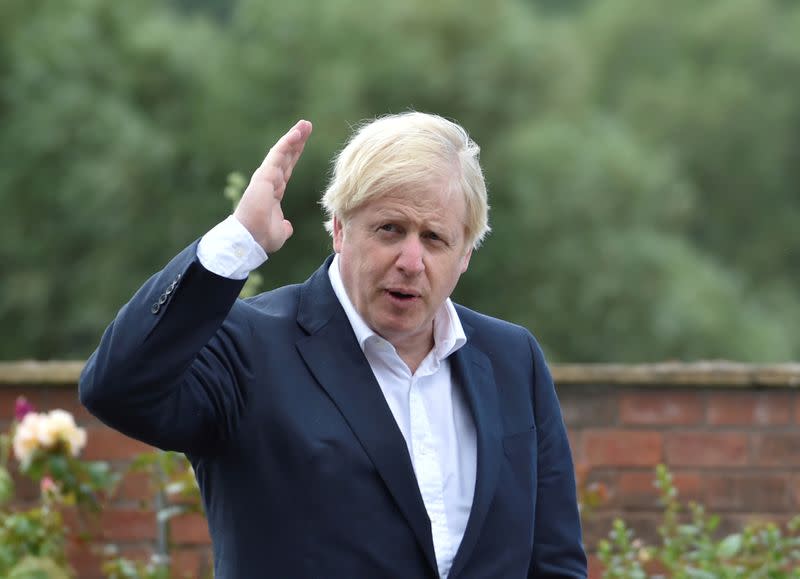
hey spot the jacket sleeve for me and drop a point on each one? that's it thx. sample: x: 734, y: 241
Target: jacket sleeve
x: 171, y: 368
x: 558, y: 542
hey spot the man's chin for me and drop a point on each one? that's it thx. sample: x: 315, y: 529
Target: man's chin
x: 398, y: 333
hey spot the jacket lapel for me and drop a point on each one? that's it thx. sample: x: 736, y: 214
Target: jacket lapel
x: 473, y: 370
x: 337, y: 362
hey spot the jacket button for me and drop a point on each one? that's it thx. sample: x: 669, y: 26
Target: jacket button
x: 155, y: 307
x: 162, y: 299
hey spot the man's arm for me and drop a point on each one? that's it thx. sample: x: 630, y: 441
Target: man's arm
x: 171, y: 369
x: 558, y: 542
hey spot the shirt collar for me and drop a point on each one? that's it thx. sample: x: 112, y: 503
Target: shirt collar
x: 448, y: 334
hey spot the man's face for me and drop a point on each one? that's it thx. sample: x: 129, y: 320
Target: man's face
x: 400, y: 257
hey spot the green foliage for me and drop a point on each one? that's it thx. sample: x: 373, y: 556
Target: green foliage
x: 33, y: 540
x: 6, y: 486
x: 122, y: 568
x: 690, y: 548
x: 79, y: 482
x: 642, y: 163
x: 38, y: 568
x: 172, y: 475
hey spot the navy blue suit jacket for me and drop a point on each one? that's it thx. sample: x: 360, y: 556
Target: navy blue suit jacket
x: 303, y: 470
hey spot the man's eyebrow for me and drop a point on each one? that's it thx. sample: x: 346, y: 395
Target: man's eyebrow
x: 398, y: 214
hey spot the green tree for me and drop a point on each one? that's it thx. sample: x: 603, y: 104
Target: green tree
x: 641, y: 163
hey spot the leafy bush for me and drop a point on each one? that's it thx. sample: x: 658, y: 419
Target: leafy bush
x: 47, y: 446
x: 690, y: 548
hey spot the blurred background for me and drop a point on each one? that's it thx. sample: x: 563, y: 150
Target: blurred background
x: 643, y: 160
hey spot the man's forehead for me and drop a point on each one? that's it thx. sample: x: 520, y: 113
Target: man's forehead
x: 442, y: 206
x: 435, y: 192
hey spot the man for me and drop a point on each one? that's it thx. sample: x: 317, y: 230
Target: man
x: 359, y: 425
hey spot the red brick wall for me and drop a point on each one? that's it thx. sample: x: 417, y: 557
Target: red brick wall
x: 730, y: 436
x: 735, y: 450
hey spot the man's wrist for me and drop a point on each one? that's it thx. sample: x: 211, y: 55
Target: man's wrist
x: 229, y: 250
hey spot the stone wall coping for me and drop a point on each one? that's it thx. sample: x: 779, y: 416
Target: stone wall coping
x: 718, y: 373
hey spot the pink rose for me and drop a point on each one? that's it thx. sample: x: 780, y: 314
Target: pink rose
x: 22, y: 407
x: 48, y: 485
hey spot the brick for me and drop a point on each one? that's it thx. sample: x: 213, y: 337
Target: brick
x: 588, y: 407
x: 67, y: 399
x: 85, y: 559
x: 748, y: 493
x: 107, y: 444
x: 136, y: 486
x: 114, y: 524
x: 644, y: 525
x: 25, y: 489
x: 191, y: 562
x: 690, y: 486
x: 9, y: 395
x: 622, y: 447
x: 595, y: 567
x: 796, y: 494
x: 797, y: 407
x: 582, y: 472
x: 190, y: 528
x: 636, y: 490
x: 596, y: 527
x: 777, y: 449
x: 766, y: 408
x: 128, y: 524
x: 706, y: 449
x: 597, y: 485
x: 666, y: 407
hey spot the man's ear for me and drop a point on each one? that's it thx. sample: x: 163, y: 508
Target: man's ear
x: 338, y: 234
x: 465, y: 260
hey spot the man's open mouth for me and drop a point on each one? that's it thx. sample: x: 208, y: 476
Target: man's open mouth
x: 401, y: 295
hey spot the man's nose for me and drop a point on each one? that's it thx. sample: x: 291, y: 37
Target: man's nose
x: 410, y: 259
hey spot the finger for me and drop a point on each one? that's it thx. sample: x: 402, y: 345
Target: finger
x: 294, y: 140
x: 291, y: 154
x: 283, y: 156
x: 290, y: 163
x: 303, y: 129
x: 299, y: 136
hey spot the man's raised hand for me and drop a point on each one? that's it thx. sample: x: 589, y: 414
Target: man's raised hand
x: 260, y: 207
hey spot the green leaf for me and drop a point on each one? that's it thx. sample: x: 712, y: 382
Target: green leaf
x: 700, y: 574
x: 730, y: 546
x: 6, y: 486
x: 38, y: 568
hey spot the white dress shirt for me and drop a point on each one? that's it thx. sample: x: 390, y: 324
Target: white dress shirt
x: 429, y: 409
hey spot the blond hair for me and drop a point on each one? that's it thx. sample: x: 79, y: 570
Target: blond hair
x: 403, y: 150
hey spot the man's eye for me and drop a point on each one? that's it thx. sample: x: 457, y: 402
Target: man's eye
x: 391, y: 227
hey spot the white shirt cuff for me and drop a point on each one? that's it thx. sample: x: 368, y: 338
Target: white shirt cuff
x: 229, y: 250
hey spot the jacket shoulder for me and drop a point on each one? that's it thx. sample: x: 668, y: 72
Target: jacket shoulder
x: 482, y: 323
x: 281, y: 301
